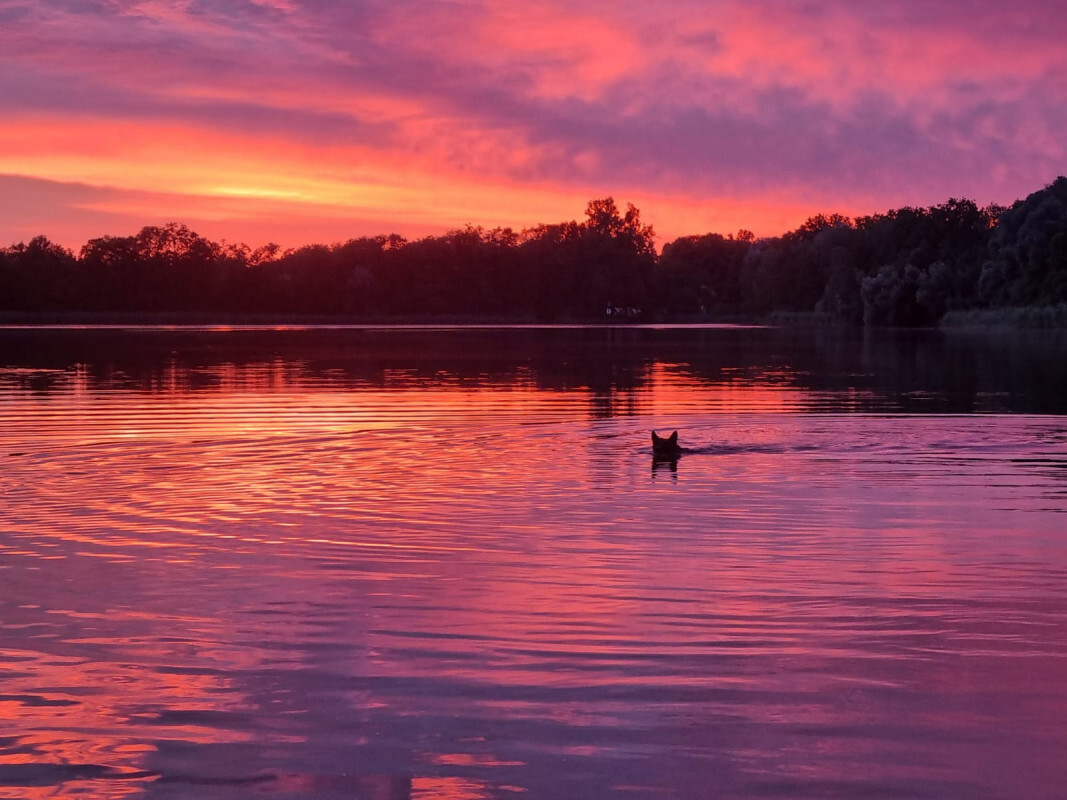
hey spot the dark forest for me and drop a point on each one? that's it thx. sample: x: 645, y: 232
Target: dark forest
x: 907, y: 267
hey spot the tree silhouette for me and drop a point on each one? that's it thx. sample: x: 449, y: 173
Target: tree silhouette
x: 907, y: 266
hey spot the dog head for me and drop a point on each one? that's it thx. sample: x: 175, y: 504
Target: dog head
x: 665, y: 447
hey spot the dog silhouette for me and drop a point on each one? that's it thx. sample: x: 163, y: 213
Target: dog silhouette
x: 665, y: 448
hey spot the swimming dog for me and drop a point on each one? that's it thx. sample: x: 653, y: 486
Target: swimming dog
x: 665, y: 448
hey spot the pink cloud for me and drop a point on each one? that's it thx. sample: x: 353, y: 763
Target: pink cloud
x: 755, y: 106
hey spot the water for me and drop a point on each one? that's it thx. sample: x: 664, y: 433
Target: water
x: 441, y: 563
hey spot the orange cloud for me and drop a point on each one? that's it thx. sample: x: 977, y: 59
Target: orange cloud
x: 419, y: 117
x: 164, y: 172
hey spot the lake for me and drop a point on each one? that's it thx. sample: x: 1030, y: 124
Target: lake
x: 441, y: 563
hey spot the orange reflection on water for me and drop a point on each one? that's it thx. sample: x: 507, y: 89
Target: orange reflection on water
x: 479, y: 582
x: 673, y: 388
x: 88, y: 725
x: 446, y: 788
x: 471, y: 759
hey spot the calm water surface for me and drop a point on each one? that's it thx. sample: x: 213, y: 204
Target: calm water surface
x: 440, y: 563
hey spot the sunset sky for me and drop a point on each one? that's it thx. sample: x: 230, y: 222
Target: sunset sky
x: 300, y: 121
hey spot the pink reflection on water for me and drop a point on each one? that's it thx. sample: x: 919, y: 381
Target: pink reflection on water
x: 456, y: 590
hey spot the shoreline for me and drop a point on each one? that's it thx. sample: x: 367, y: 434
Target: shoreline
x: 178, y: 319
x: 1048, y: 318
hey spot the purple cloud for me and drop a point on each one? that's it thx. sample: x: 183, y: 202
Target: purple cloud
x: 836, y: 104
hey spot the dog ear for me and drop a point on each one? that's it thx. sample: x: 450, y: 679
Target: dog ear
x: 673, y: 438
x: 655, y: 438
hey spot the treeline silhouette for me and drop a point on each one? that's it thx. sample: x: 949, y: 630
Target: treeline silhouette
x: 905, y: 267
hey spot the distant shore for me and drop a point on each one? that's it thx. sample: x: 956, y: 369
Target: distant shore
x: 199, y: 318
x: 1043, y: 317
x: 950, y: 265
x: 1052, y: 317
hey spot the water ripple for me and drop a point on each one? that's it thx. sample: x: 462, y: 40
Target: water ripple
x: 274, y: 577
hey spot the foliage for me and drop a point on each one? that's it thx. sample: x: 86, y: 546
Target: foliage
x: 908, y: 266
x: 1027, y: 262
x: 703, y: 273
x: 39, y: 275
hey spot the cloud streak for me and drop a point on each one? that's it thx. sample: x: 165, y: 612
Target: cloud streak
x: 424, y: 115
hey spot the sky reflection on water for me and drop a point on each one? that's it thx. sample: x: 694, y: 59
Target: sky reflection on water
x: 386, y: 565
